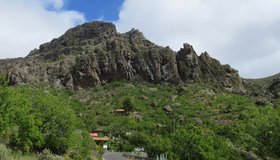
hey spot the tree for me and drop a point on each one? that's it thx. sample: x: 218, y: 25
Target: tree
x: 31, y: 121
x: 158, y: 145
x: 58, y: 123
x: 139, y: 139
x: 5, y: 111
x: 194, y: 144
x: 127, y: 104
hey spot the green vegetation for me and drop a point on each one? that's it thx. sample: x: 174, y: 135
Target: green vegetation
x: 127, y: 104
x: 8, y: 154
x: 205, y: 121
x: 264, y: 81
x: 34, y: 119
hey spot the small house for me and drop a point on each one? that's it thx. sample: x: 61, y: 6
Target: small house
x: 120, y: 111
x: 100, y: 140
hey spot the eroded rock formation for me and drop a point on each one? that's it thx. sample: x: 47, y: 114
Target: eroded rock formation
x: 95, y: 53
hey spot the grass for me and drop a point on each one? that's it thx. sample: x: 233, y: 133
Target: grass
x: 216, y: 114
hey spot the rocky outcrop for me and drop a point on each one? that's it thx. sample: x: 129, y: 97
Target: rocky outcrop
x: 265, y: 91
x: 95, y: 53
x: 274, y: 88
x: 203, y: 68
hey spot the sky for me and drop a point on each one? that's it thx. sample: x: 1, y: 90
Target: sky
x: 244, y: 34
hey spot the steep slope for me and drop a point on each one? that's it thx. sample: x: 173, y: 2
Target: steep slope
x: 95, y: 53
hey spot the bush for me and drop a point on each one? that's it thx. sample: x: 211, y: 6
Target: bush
x: 269, y: 137
x: 139, y: 139
x: 194, y: 144
x: 127, y: 104
x: 5, y: 153
x: 47, y: 155
x: 126, y: 147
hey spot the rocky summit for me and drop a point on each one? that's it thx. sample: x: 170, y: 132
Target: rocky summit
x: 95, y: 53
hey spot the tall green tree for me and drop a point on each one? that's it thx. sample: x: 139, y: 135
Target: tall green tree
x: 191, y: 143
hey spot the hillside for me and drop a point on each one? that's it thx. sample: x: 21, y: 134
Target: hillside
x: 181, y: 121
x: 95, y: 53
x: 264, y: 81
x: 264, y: 90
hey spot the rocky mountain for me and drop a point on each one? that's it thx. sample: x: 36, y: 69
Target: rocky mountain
x: 95, y: 53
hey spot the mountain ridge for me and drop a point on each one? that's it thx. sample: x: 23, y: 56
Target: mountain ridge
x: 264, y: 81
x: 95, y: 53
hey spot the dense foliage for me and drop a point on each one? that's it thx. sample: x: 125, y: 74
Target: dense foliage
x: 34, y: 119
x: 205, y: 121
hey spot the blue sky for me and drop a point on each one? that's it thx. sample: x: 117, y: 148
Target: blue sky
x: 107, y: 10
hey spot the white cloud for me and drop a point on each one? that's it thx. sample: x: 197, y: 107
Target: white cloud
x: 25, y: 24
x: 56, y: 4
x: 242, y: 33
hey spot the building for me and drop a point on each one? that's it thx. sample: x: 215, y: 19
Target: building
x: 100, y: 140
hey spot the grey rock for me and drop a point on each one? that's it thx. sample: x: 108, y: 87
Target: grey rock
x: 181, y: 118
x: 95, y: 53
x: 176, y: 105
x: 274, y: 88
x: 161, y: 125
x: 203, y: 68
x: 137, y: 115
x: 198, y: 121
x: 167, y: 108
x: 224, y: 122
x: 249, y: 155
x: 144, y: 97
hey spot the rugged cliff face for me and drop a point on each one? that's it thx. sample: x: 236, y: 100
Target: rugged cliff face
x: 95, y: 53
x: 203, y: 68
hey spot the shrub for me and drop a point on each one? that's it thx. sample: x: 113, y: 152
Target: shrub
x: 47, y: 155
x: 5, y: 153
x: 127, y: 104
x: 194, y: 144
x: 139, y: 139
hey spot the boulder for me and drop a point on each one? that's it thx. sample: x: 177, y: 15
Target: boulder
x: 144, y: 97
x: 181, y: 118
x: 167, y: 109
x: 198, y: 121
